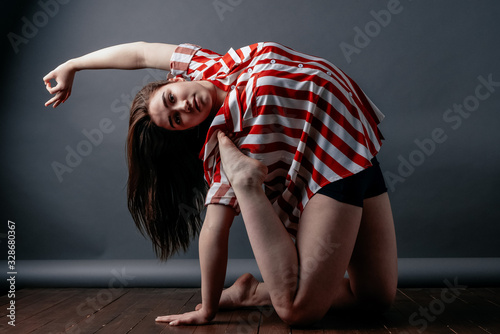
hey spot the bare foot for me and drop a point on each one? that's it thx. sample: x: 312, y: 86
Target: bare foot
x: 243, y: 293
x: 242, y: 171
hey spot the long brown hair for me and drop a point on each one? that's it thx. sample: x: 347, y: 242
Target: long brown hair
x: 166, y: 188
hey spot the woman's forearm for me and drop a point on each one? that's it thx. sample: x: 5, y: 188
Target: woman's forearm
x: 213, y: 249
x: 213, y: 263
x: 126, y: 56
x: 123, y: 56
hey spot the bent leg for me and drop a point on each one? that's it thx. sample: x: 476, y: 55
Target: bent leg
x: 302, y: 282
x: 325, y: 240
x: 373, y: 271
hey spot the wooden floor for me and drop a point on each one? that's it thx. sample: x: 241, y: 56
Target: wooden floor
x: 438, y: 310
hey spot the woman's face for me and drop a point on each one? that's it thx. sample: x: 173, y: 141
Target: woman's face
x: 181, y: 105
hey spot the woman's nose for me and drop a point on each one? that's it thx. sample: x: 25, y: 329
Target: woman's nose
x: 184, y: 106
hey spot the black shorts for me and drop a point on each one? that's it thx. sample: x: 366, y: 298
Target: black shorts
x: 355, y: 188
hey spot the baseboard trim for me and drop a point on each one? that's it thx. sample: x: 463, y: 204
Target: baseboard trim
x: 413, y: 272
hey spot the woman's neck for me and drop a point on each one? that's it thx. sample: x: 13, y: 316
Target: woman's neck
x: 218, y: 96
x: 221, y: 96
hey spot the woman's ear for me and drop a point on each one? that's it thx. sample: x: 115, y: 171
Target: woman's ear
x: 176, y: 79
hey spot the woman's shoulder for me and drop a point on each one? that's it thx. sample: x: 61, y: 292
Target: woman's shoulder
x: 260, y: 49
x: 276, y: 48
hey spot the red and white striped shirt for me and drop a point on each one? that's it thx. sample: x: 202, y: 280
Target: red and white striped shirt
x: 300, y: 115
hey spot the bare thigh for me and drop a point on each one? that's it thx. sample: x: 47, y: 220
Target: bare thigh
x: 373, y: 266
x: 325, y: 241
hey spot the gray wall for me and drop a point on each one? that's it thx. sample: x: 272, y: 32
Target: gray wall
x: 417, y: 65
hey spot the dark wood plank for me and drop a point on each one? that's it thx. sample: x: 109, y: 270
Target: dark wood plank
x: 131, y: 309
x: 478, y: 310
x: 60, y: 306
x: 123, y: 313
x: 46, y: 311
x: 313, y: 329
x: 419, y: 315
x: 271, y: 323
x: 20, y: 294
x: 235, y: 321
x: 453, y: 311
x: 30, y: 302
x: 482, y: 310
x: 219, y: 324
x: 67, y: 315
x: 173, y: 304
x: 340, y: 322
x: 490, y: 295
x: 396, y: 320
x: 245, y: 320
x: 37, y: 309
x: 493, y: 291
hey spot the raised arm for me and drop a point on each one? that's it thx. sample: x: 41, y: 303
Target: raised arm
x: 213, y: 262
x: 124, y: 56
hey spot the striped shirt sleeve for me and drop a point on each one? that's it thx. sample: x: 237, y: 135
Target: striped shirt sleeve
x: 192, y: 62
x: 220, y: 191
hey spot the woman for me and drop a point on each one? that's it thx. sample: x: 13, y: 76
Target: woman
x: 290, y: 142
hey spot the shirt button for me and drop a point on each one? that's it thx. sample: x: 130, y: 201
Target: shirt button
x: 249, y: 71
x: 300, y: 65
x: 233, y: 86
x: 273, y: 61
x: 329, y: 73
x: 350, y: 94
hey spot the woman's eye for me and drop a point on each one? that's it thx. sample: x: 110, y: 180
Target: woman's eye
x: 171, y: 97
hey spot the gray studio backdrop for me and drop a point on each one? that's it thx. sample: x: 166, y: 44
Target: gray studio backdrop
x: 431, y: 66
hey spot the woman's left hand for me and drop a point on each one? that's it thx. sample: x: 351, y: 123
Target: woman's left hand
x: 198, y: 317
x: 64, y: 75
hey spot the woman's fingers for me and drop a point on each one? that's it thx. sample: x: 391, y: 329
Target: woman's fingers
x: 50, y: 89
x: 61, y: 93
x: 66, y: 97
x: 48, y: 83
x: 48, y: 77
x: 63, y: 77
x: 57, y: 100
x: 52, y: 100
x: 171, y: 319
x: 166, y: 318
x: 189, y: 318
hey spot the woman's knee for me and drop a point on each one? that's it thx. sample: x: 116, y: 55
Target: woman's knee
x: 300, y: 315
